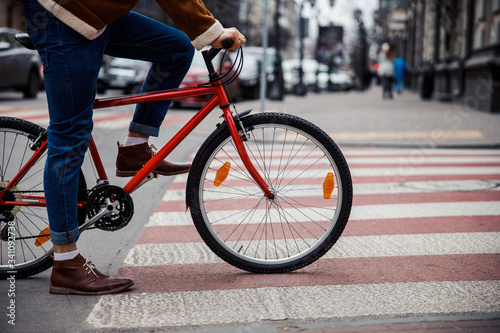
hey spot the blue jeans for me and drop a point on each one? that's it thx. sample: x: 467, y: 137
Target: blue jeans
x: 71, y: 65
x: 399, y: 84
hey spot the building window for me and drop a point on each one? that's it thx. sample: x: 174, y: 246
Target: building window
x: 480, y: 10
x: 479, y: 38
x: 495, y: 6
x: 495, y: 34
x: 458, y: 27
x: 458, y: 48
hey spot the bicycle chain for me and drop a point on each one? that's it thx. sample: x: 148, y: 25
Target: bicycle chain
x: 44, y: 235
x: 42, y: 191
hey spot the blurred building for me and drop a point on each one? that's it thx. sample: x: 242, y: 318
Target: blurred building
x: 12, y: 14
x: 452, y: 48
x: 330, y: 45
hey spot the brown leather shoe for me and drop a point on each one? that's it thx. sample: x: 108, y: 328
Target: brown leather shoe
x: 79, y: 276
x: 131, y: 159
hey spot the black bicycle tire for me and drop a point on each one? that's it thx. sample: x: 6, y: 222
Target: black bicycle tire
x: 202, y: 160
x: 44, y: 261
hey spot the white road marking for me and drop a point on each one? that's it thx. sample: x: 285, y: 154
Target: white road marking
x: 346, y: 247
x: 311, y: 302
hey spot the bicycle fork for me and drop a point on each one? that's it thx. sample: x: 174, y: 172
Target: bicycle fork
x: 240, y: 147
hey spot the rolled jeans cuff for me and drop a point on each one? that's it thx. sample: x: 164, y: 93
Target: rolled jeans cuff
x: 144, y: 129
x: 64, y: 237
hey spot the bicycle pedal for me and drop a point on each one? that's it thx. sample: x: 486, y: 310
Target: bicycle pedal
x: 153, y: 175
x: 149, y: 177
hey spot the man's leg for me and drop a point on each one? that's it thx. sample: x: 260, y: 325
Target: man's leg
x: 70, y: 71
x: 170, y: 52
x: 71, y: 64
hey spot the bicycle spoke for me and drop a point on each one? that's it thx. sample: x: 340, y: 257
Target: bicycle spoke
x: 293, y: 229
x: 29, y: 219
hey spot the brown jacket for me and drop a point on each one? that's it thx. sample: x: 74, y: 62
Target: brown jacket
x: 90, y: 17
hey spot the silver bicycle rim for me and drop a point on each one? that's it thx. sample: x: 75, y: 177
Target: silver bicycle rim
x: 18, y: 252
x: 274, y: 219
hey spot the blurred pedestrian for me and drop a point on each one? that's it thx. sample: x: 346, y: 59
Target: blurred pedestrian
x: 386, y: 70
x: 399, y: 73
x: 376, y: 73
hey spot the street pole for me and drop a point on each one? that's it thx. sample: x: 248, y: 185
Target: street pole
x: 300, y: 88
x: 263, y: 69
x: 277, y: 87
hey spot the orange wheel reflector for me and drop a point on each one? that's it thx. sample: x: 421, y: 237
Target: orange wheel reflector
x: 222, y: 173
x: 328, y: 186
x: 43, y: 237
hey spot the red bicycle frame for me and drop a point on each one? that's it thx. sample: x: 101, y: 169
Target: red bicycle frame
x: 219, y: 98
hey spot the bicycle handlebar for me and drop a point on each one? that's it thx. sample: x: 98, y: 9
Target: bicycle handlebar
x: 227, y: 43
x: 209, y: 55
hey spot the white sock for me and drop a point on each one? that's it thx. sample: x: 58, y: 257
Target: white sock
x: 66, y: 255
x: 130, y: 141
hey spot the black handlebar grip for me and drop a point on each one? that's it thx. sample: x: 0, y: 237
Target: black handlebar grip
x: 227, y: 43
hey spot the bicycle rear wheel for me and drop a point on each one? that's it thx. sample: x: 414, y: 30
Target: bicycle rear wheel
x: 20, y: 255
x: 304, y: 169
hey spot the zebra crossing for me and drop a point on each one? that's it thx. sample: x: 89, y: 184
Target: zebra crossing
x: 423, y: 239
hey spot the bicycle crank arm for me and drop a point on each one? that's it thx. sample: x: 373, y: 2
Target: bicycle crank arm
x: 109, y: 208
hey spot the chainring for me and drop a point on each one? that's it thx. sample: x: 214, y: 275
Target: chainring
x: 106, y: 196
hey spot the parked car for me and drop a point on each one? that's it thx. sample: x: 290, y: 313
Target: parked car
x: 198, y: 74
x: 341, y: 80
x: 124, y: 74
x: 19, y: 67
x: 253, y: 57
x: 250, y: 77
x: 315, y: 74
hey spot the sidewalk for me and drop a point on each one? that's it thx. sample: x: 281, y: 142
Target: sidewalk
x: 364, y: 118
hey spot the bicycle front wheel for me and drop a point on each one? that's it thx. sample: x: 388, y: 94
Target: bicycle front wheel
x: 22, y: 251
x: 304, y: 169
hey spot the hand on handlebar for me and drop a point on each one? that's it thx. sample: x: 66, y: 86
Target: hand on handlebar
x: 232, y: 34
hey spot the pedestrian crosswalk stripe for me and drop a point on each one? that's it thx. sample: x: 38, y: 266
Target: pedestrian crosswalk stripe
x: 394, y: 211
x: 418, y: 151
x: 346, y: 247
x: 413, y: 170
x: 423, y: 225
x: 421, y: 160
x: 252, y: 305
x: 437, y: 134
x: 388, y: 188
x: 368, y: 212
x: 337, y: 271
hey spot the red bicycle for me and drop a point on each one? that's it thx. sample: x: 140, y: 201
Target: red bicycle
x: 267, y: 192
